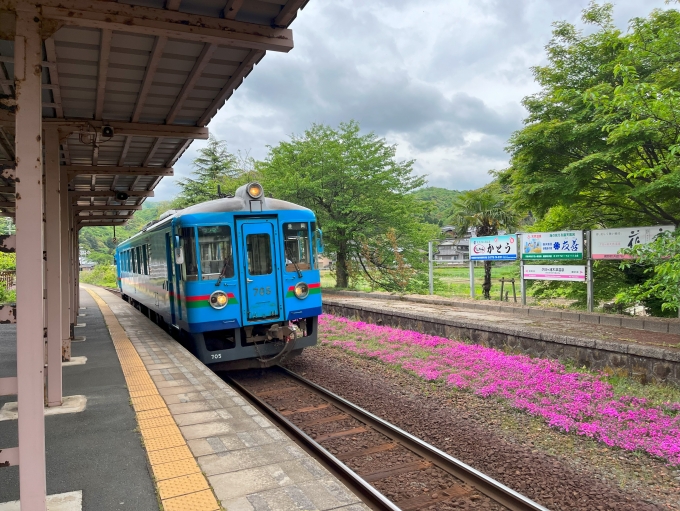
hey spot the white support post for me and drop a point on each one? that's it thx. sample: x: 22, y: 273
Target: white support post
x: 589, y: 274
x: 53, y: 252
x: 430, y: 264
x: 30, y: 263
x: 522, y: 282
x: 472, y: 278
x: 65, y: 267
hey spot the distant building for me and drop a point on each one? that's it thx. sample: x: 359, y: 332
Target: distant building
x: 87, y: 266
x: 453, y: 249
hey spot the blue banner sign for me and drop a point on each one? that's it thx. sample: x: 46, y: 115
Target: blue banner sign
x: 494, y: 248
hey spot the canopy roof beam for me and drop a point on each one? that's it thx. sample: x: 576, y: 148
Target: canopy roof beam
x: 74, y: 170
x: 102, y: 14
x: 108, y: 193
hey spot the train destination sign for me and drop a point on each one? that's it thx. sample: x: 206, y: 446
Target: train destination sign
x: 537, y: 272
x: 607, y: 243
x: 494, y: 248
x: 552, y: 245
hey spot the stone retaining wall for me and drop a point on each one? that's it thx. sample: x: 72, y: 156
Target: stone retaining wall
x: 662, y: 325
x: 645, y: 363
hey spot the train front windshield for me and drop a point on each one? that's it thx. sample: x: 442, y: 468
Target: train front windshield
x: 296, y: 244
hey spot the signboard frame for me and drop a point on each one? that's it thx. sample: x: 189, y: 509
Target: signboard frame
x: 544, y: 245
x: 560, y: 273
x: 500, y: 242
x: 606, y: 243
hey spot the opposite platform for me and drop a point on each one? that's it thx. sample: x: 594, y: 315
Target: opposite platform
x: 249, y: 464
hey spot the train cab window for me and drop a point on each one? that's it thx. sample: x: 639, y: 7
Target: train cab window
x: 190, y: 267
x: 215, y: 247
x: 259, y: 254
x: 296, y: 245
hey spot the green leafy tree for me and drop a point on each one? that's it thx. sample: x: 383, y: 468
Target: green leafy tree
x: 660, y: 261
x: 438, y: 202
x: 487, y: 211
x: 361, y: 195
x: 98, y: 242
x: 601, y: 136
x: 215, y: 166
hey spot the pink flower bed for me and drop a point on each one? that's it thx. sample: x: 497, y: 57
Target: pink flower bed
x: 572, y: 402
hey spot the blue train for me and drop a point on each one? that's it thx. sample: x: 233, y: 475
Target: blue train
x: 237, y: 277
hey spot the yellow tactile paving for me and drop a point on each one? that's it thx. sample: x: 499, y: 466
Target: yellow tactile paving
x: 180, y: 483
x: 152, y: 414
x: 143, y: 393
x: 156, y: 422
x: 160, y: 432
x: 147, y: 403
x: 156, y: 444
x: 175, y: 469
x: 167, y: 455
x: 200, y: 501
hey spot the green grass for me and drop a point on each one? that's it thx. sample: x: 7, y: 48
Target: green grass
x: 454, y: 281
x: 101, y: 275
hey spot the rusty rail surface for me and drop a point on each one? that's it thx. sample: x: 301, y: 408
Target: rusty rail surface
x: 430, y: 455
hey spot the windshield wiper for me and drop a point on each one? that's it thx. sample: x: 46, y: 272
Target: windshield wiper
x: 222, y: 273
x: 299, y: 273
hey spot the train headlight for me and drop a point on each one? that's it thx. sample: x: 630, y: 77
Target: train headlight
x: 219, y: 300
x: 255, y: 190
x: 301, y: 290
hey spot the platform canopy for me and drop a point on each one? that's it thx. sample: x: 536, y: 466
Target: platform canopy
x: 130, y: 85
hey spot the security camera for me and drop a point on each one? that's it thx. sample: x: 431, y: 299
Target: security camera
x: 121, y: 196
x: 107, y: 131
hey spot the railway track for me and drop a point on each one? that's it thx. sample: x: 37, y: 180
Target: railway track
x: 386, y: 466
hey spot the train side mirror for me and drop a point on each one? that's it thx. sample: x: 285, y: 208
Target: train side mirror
x: 319, y: 241
x: 179, y: 255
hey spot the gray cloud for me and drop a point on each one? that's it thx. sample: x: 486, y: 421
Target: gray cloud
x: 441, y: 79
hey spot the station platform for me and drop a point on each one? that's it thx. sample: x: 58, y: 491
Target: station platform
x: 160, y: 428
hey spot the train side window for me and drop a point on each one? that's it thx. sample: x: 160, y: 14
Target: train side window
x: 259, y: 254
x: 216, y: 252
x: 145, y: 260
x: 190, y: 267
x: 296, y: 245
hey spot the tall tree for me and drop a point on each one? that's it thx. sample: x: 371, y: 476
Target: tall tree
x: 487, y: 212
x: 360, y: 193
x: 601, y: 137
x: 215, y: 166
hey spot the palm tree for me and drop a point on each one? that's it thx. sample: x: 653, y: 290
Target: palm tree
x: 486, y: 211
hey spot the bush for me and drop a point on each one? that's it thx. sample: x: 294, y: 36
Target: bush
x: 7, y: 296
x: 101, y: 275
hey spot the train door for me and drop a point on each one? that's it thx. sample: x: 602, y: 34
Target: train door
x: 258, y: 254
x: 169, y: 283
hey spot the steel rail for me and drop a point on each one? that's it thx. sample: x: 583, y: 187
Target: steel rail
x: 372, y: 497
x: 493, y: 489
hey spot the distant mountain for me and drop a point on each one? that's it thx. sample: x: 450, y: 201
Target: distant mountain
x: 439, y: 200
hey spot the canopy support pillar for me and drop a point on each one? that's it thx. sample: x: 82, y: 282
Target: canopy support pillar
x: 30, y: 262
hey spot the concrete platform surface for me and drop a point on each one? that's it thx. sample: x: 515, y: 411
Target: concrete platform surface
x: 249, y: 463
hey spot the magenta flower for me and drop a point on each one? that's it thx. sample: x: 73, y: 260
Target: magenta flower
x: 569, y: 401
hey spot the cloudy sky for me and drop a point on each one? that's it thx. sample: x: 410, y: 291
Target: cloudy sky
x: 442, y: 79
